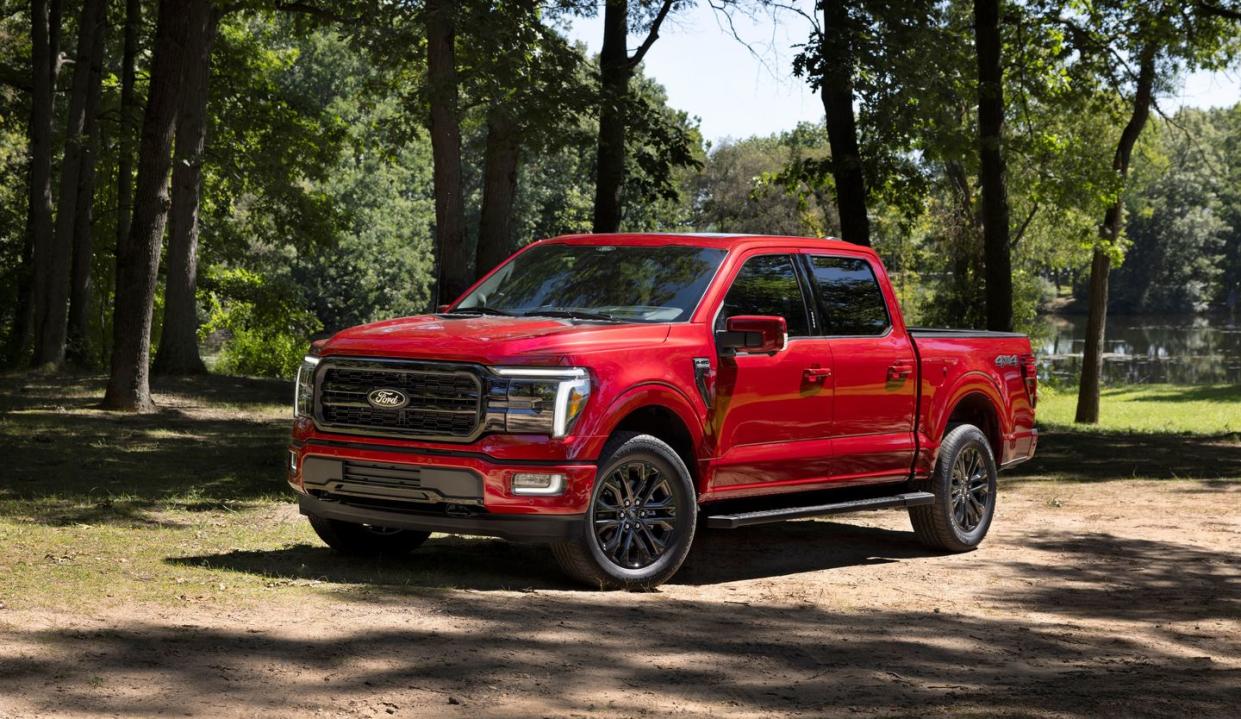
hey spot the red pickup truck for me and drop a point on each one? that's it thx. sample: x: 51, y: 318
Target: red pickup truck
x: 611, y: 394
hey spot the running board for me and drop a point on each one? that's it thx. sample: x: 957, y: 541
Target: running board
x: 769, y: 516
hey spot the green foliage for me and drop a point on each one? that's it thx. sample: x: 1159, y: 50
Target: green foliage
x: 267, y: 327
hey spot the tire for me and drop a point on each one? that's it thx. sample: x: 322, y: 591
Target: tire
x: 958, y: 526
x: 360, y: 540
x: 648, y: 467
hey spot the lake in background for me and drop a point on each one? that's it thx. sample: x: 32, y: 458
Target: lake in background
x: 1140, y: 349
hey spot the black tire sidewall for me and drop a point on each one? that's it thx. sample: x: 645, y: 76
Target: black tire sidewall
x: 957, y: 441
x: 648, y: 448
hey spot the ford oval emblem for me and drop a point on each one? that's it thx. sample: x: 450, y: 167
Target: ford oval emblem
x: 387, y: 399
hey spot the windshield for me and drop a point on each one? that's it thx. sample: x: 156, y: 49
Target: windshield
x: 606, y: 282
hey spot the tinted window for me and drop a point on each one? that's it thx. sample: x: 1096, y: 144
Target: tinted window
x: 849, y: 296
x: 767, y: 285
x: 630, y: 283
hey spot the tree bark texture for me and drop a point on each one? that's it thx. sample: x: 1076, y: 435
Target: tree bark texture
x: 1109, y: 233
x: 137, y: 262
x: 495, y: 226
x: 129, y: 123
x: 38, y: 239
x: 450, y: 230
x: 992, y: 173
x: 52, y: 313
x: 837, y: 93
x: 77, y: 345
x: 178, y: 343
x: 615, y: 71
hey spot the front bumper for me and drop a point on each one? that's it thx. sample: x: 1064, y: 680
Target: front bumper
x: 513, y: 527
x: 433, y: 489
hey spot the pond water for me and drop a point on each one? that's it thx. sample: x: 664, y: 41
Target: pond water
x: 1140, y: 349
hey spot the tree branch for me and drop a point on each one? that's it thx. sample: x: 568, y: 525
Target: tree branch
x: 1024, y: 225
x: 311, y: 9
x: 1217, y: 11
x: 652, y: 35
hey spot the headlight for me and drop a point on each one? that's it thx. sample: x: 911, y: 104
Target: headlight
x: 544, y: 400
x: 304, y: 388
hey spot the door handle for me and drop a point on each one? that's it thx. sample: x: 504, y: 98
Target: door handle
x: 816, y: 374
x: 900, y: 370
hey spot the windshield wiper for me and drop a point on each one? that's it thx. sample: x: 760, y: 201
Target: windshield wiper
x: 572, y: 314
x: 480, y: 310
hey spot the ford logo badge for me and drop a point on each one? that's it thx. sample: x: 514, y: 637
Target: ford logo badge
x: 387, y: 399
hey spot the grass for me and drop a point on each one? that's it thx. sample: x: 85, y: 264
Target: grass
x: 1208, y: 410
x: 189, y: 505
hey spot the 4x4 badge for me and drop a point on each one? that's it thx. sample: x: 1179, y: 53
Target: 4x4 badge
x: 387, y: 399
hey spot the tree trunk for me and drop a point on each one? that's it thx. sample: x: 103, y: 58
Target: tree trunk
x: 450, y: 234
x: 999, y: 269
x: 51, y: 315
x: 137, y: 262
x: 38, y: 240
x: 495, y: 226
x: 77, y: 346
x: 178, y: 343
x: 837, y: 92
x: 1109, y: 233
x: 129, y: 125
x: 614, y: 72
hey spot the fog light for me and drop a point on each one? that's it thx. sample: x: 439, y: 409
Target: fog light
x: 537, y: 483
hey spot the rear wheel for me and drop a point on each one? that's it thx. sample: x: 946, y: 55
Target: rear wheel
x: 641, y: 520
x: 964, y: 484
x: 363, y: 540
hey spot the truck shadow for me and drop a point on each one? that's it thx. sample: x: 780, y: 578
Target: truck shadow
x: 491, y: 564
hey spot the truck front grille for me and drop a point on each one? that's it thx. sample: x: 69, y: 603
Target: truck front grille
x: 443, y: 401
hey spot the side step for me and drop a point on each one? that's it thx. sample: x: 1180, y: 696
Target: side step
x: 770, y: 516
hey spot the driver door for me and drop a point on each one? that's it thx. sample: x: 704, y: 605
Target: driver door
x: 773, y: 412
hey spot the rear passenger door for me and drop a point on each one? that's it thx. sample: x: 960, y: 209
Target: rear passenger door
x: 873, y: 369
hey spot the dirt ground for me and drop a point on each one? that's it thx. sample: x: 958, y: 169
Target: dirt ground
x: 1089, y: 599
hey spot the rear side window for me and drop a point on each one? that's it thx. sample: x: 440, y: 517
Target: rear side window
x: 849, y: 297
x: 767, y: 285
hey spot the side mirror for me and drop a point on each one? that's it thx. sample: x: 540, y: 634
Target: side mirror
x: 442, y: 309
x: 753, y: 334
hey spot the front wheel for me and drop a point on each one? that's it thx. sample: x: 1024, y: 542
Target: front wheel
x: 641, y: 520
x: 363, y: 540
x: 964, y: 487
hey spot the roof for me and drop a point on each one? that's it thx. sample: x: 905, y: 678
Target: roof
x: 703, y: 239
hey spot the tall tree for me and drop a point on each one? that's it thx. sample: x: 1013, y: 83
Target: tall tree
x: 836, y: 89
x: 445, y: 116
x: 1109, y: 233
x: 495, y: 222
x: 77, y: 346
x: 44, y: 67
x: 51, y: 313
x: 616, y: 69
x: 137, y: 259
x: 999, y: 269
x: 1172, y: 35
x: 178, y: 344
x: 129, y: 122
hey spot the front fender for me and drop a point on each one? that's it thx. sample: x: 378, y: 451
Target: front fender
x: 648, y: 394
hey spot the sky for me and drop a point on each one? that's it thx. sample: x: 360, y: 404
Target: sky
x: 739, y: 91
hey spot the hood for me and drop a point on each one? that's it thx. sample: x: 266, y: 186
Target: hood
x: 489, y: 339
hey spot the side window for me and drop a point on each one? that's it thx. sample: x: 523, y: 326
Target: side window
x: 850, y: 300
x: 767, y: 285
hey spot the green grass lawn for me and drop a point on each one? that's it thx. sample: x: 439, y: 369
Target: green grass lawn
x: 1157, y: 408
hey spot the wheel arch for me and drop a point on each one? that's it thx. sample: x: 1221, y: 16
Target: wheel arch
x: 974, y: 401
x: 663, y: 413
